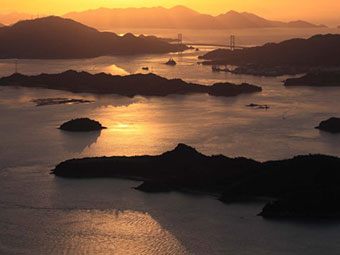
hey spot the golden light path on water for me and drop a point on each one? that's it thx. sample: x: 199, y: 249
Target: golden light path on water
x: 115, y: 70
x: 114, y: 232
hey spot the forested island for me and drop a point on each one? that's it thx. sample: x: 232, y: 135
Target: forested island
x: 130, y: 85
x: 81, y: 125
x: 300, y: 179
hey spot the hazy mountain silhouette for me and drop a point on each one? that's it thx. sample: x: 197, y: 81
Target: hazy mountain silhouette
x: 11, y: 18
x: 2, y: 25
x: 176, y: 17
x: 58, y: 38
x: 319, y: 50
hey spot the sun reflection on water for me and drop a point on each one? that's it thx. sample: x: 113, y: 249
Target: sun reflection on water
x: 115, y: 232
x: 115, y: 70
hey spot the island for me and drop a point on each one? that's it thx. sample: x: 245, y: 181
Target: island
x: 331, y: 125
x: 289, y: 57
x: 320, y: 78
x: 59, y: 101
x: 258, y: 106
x: 232, y: 179
x: 81, y: 125
x: 58, y: 38
x: 130, y: 85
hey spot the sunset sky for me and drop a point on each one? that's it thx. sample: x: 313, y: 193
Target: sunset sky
x: 313, y: 10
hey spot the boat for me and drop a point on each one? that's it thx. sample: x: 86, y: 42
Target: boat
x: 145, y: 68
x: 171, y: 62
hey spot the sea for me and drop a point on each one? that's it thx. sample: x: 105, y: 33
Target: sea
x: 43, y: 214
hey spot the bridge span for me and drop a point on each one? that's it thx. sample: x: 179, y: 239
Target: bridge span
x: 216, y: 45
x: 232, y: 45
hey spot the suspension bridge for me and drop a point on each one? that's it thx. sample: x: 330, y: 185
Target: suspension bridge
x: 232, y: 44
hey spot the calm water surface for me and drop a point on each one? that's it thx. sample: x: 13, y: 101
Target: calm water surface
x: 41, y: 214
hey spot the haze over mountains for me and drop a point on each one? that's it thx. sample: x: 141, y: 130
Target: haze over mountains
x: 58, y: 38
x: 14, y: 17
x: 176, y: 17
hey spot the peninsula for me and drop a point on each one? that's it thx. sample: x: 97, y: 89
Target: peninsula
x: 288, y: 57
x: 331, y: 125
x: 233, y: 179
x: 130, y: 85
x: 326, y: 78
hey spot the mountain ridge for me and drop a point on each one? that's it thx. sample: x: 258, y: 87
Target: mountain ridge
x: 176, y: 17
x: 59, y: 38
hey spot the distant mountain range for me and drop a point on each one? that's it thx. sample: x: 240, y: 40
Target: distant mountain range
x: 59, y: 38
x: 2, y: 25
x: 177, y: 17
x: 14, y: 17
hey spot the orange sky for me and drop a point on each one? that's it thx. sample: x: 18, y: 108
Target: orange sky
x: 325, y: 11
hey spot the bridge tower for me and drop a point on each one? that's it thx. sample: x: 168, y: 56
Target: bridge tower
x: 232, y: 42
x: 180, y: 39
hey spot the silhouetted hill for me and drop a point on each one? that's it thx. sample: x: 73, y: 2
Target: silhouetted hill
x: 319, y: 50
x: 58, y: 38
x: 302, y: 24
x: 176, y: 17
x: 131, y: 85
x: 2, y: 25
x: 185, y: 169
